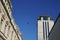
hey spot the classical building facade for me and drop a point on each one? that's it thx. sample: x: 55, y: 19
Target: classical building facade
x: 45, y: 23
x: 8, y: 28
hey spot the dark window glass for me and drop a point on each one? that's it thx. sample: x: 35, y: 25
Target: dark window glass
x: 43, y: 31
x: 1, y: 20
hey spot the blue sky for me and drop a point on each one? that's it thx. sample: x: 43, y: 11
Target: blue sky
x: 26, y: 12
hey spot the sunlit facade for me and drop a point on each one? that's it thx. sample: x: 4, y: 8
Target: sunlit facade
x: 8, y: 28
x: 45, y: 23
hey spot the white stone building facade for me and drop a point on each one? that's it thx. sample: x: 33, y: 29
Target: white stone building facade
x: 8, y: 28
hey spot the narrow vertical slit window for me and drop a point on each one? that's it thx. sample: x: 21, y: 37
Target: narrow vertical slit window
x: 11, y: 35
x: 43, y: 32
x: 0, y: 11
x: 8, y: 31
x: 48, y: 27
x: 5, y: 29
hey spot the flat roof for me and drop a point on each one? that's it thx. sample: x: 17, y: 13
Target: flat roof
x: 45, y: 17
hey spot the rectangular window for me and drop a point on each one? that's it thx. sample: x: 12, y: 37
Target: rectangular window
x: 1, y: 20
x: 11, y: 35
x: 8, y: 30
x: 7, y: 22
x: 5, y: 29
x: 0, y: 11
x: 3, y: 16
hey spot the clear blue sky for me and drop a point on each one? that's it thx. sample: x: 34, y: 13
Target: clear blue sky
x: 25, y: 13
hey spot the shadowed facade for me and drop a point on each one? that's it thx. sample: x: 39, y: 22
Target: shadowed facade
x: 55, y: 32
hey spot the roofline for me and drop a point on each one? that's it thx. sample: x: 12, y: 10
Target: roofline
x: 44, y: 16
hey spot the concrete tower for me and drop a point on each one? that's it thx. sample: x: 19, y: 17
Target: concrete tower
x: 45, y: 23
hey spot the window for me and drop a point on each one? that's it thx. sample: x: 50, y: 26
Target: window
x: 8, y: 30
x: 3, y: 17
x: 48, y: 26
x: 7, y: 22
x: 5, y: 29
x: 0, y: 24
x: 43, y: 31
x: 11, y: 35
x: 1, y: 20
x: 7, y: 3
x: 46, y: 30
x: 0, y: 11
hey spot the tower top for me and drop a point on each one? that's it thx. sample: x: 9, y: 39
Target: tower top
x: 45, y: 17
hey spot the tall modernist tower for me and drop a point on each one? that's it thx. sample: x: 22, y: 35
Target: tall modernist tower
x: 8, y: 28
x: 45, y: 23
